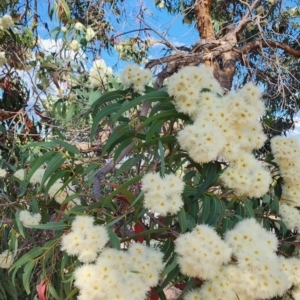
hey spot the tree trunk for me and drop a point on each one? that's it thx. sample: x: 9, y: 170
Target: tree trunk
x: 223, y: 71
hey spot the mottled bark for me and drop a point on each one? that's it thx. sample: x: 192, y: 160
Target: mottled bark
x: 203, y: 19
x: 224, y: 71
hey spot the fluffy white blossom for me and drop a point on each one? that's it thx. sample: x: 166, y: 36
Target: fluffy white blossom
x: 85, y: 240
x: 3, y: 173
x: 136, y: 77
x: 74, y: 45
x: 27, y: 218
x: 6, y: 22
x: 99, y: 73
x: 79, y: 26
x: 90, y: 34
x: 290, y: 216
x: 201, y: 252
x: 6, y: 259
x: 286, y: 152
x: 20, y: 174
x: 162, y: 195
x: 37, y: 176
x: 129, y: 273
x: 224, y: 126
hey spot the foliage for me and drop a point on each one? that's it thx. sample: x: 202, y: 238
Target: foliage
x: 167, y: 172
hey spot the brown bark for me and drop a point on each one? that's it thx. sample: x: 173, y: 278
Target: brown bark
x: 203, y: 19
x: 224, y: 73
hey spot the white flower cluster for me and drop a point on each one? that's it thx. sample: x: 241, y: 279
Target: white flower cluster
x: 85, y: 240
x: 290, y: 216
x: 3, y: 173
x: 3, y: 59
x: 90, y: 34
x: 162, y: 195
x: 20, y: 174
x: 79, y: 26
x: 136, y: 77
x: 60, y: 195
x: 99, y: 73
x: 6, y: 22
x: 256, y: 273
x: 286, y: 154
x: 74, y: 45
x: 37, y: 176
x: 201, y: 252
x: 120, y: 275
x: 28, y: 219
x: 6, y: 259
x: 224, y: 126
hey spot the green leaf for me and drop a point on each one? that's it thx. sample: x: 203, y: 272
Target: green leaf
x: 170, y: 277
x: 114, y: 239
x: 19, y: 224
x: 170, y: 266
x: 31, y: 255
x: 182, y: 220
x: 94, y: 96
x: 125, y: 186
x: 108, y: 97
x: 53, y: 292
x: 248, y: 208
x: 27, y: 274
x: 72, y: 293
x: 50, y: 226
x: 215, y: 209
x: 266, y: 199
x: 37, y: 163
x: 52, y: 166
x: 105, y: 111
x: 205, y: 209
x: 209, y: 176
x: 162, y: 158
x: 151, y: 97
x: 70, y: 148
x: 153, y: 131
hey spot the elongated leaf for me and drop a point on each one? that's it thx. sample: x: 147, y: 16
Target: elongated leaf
x: 248, y: 208
x: 29, y: 256
x: 165, y: 116
x: 182, y: 220
x: 205, y: 209
x: 19, y: 224
x: 50, y: 226
x: 215, y: 209
x: 114, y: 95
x: 162, y: 158
x: 52, y: 166
x: 170, y: 277
x: 153, y: 131
x: 27, y: 274
x: 170, y: 266
x: 210, y: 172
x: 104, y: 112
x: 53, y: 292
x: 151, y: 97
x: 72, y: 149
x: 94, y: 96
x: 72, y: 293
x: 125, y: 186
x: 114, y: 239
x: 38, y: 163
